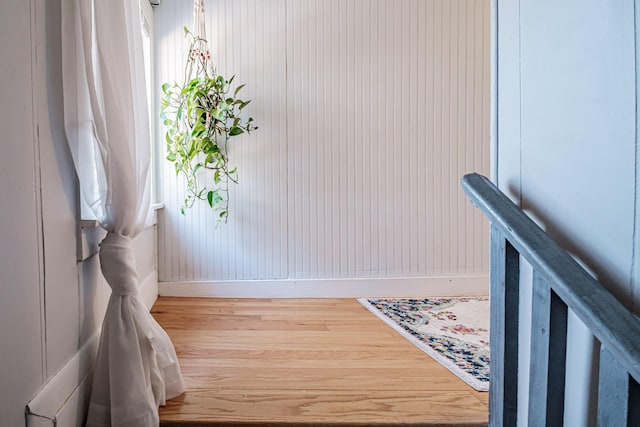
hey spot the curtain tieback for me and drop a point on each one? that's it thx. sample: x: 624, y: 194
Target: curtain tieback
x: 118, y: 264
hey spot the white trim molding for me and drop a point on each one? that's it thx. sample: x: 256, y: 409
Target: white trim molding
x: 331, y: 288
x: 66, y: 395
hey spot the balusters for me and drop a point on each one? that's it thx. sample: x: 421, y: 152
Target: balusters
x: 505, y: 282
x: 548, y: 355
x: 618, y: 394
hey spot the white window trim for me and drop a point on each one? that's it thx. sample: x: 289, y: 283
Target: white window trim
x: 147, y: 18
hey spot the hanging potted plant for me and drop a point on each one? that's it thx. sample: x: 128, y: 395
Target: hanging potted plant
x: 201, y: 116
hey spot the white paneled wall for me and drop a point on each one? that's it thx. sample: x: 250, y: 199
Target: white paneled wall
x: 369, y: 111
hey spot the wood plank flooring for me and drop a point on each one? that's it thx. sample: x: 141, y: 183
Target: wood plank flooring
x: 305, y: 362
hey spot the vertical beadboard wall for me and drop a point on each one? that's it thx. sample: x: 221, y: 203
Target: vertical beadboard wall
x: 369, y: 111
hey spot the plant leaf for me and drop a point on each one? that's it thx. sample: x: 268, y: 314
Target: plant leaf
x: 235, y: 92
x: 235, y: 131
x: 216, y: 114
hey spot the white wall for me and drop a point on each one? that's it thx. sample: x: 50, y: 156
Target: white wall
x: 20, y: 274
x: 51, y: 305
x: 567, y: 146
x: 369, y: 114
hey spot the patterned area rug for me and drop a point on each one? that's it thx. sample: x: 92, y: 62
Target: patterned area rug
x: 454, y: 331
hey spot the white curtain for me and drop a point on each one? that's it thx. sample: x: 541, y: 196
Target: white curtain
x: 107, y: 126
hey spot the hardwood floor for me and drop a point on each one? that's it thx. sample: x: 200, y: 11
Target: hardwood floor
x: 305, y: 362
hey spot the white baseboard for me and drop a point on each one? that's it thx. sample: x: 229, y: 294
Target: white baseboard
x: 331, y: 288
x: 64, y: 397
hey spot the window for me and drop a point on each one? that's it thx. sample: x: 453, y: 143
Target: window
x: 146, y: 19
x: 85, y: 155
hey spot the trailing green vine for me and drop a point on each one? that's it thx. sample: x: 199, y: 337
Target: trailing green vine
x: 201, y: 115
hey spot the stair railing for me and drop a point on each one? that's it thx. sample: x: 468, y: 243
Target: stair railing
x: 559, y: 283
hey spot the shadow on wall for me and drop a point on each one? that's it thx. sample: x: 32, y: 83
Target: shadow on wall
x: 596, y: 268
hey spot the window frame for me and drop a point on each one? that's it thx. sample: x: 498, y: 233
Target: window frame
x: 147, y: 21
